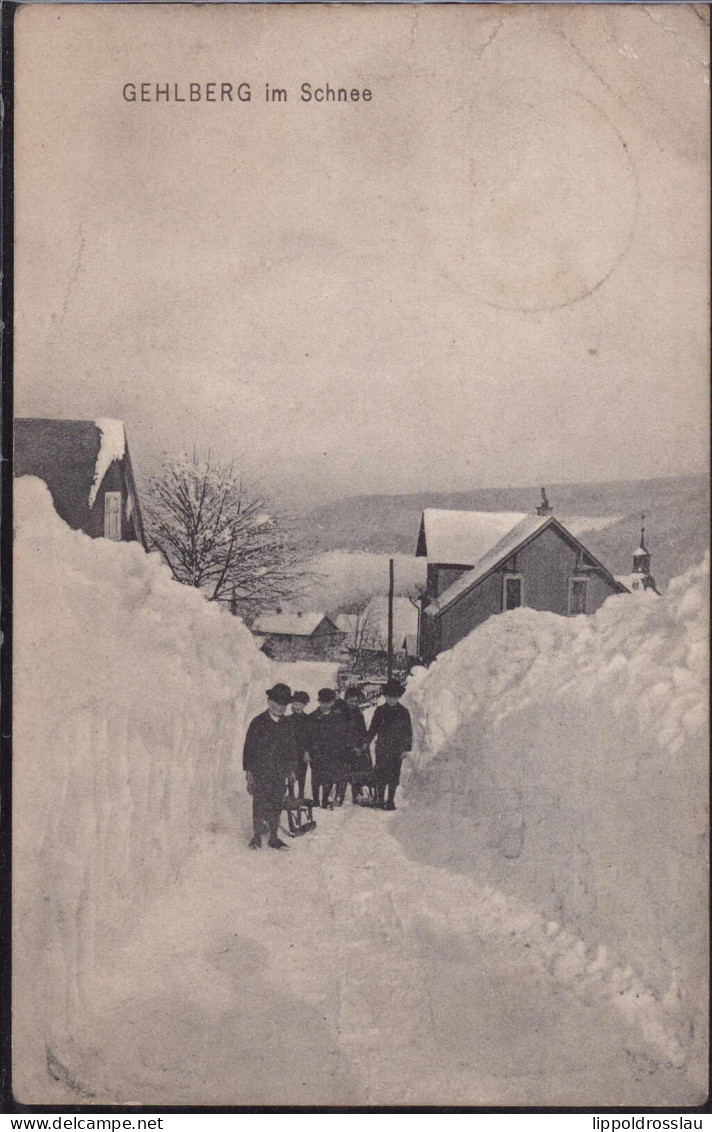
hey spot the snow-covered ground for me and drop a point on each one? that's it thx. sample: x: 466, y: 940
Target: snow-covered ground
x: 526, y: 929
x: 344, y: 972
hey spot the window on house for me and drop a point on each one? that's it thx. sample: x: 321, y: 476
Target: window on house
x: 512, y: 591
x: 112, y: 515
x: 577, y: 595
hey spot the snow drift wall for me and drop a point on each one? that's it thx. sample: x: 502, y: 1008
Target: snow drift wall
x: 563, y: 763
x: 130, y: 703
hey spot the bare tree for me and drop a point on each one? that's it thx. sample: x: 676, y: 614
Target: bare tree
x: 366, y: 642
x: 218, y: 536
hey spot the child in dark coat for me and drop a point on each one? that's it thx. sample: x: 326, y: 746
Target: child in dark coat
x: 269, y: 759
x: 392, y: 730
x: 300, y: 721
x: 329, y: 747
x: 361, y: 765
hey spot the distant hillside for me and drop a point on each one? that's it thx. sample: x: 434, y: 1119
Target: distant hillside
x: 676, y: 509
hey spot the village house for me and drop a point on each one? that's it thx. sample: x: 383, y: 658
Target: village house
x: 482, y: 563
x: 363, y: 642
x: 298, y: 636
x: 366, y: 634
x: 406, y: 654
x: 87, y: 468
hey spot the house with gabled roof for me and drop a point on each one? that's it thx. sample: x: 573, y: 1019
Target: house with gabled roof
x: 535, y: 561
x: 452, y: 541
x: 298, y: 636
x: 87, y: 468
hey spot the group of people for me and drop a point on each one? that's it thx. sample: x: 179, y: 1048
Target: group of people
x: 333, y: 743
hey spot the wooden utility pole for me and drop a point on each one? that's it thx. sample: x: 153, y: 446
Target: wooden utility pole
x: 390, y: 619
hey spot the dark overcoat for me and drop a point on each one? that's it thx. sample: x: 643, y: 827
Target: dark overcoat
x: 361, y: 765
x: 301, y: 733
x: 357, y: 725
x: 270, y: 753
x: 392, y: 730
x: 330, y: 748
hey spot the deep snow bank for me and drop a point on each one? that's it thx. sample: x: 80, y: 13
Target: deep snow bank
x: 563, y: 763
x: 131, y: 697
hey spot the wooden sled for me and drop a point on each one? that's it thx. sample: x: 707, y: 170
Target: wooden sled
x: 300, y: 816
x: 364, y: 783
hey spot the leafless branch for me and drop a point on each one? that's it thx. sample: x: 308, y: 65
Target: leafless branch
x: 217, y: 536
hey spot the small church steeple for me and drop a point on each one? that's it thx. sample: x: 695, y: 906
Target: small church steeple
x: 641, y: 557
x: 641, y: 578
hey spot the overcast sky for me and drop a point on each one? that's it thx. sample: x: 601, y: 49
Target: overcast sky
x: 494, y: 272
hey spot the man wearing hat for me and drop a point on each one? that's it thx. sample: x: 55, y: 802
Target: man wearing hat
x: 269, y: 759
x: 300, y: 721
x: 329, y: 735
x: 391, y: 728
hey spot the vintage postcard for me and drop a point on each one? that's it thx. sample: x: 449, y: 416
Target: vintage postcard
x: 361, y: 518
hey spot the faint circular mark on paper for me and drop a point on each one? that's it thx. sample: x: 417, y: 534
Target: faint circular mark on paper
x: 552, y: 202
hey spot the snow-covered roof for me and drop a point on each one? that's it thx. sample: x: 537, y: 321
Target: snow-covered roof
x: 112, y: 446
x: 347, y: 622
x: 374, y: 619
x: 506, y: 546
x: 411, y: 644
x: 73, y: 458
x: 500, y: 552
x: 292, y: 624
x: 462, y: 537
x: 579, y: 525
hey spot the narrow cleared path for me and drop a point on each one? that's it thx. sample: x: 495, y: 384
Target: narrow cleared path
x: 342, y: 972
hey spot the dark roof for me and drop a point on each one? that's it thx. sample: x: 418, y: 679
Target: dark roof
x: 64, y: 454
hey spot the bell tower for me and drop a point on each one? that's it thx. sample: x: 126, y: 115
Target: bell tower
x: 641, y: 578
x: 641, y: 556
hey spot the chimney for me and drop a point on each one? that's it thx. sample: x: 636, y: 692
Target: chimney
x: 299, y: 613
x: 544, y: 508
x: 279, y: 609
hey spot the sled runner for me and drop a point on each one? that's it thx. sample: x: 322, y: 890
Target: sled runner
x: 366, y: 796
x: 300, y: 816
x: 363, y: 780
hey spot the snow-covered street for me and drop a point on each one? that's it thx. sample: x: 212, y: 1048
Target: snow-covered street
x: 342, y: 972
x: 524, y: 930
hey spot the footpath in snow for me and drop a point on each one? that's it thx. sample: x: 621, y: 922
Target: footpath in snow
x: 528, y: 928
x: 344, y: 973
